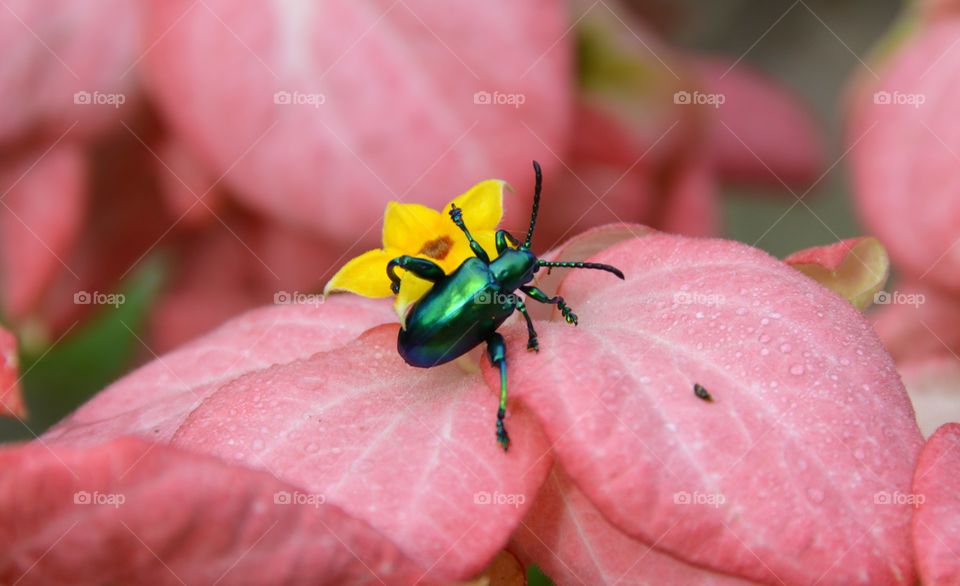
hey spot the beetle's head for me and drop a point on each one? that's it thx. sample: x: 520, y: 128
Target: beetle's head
x: 514, y: 267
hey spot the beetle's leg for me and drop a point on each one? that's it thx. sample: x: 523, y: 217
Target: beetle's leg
x: 497, y: 351
x: 503, y: 239
x: 421, y: 267
x: 531, y: 333
x: 456, y: 214
x: 538, y: 295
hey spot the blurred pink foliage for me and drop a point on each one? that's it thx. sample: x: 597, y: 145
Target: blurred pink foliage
x: 643, y: 154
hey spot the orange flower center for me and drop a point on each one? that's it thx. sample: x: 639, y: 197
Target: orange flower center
x: 437, y: 248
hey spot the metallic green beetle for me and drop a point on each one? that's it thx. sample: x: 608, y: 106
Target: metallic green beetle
x: 465, y: 308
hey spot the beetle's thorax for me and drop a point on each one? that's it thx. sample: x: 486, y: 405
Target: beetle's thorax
x: 514, y: 268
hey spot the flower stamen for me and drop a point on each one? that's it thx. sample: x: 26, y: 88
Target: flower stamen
x: 437, y: 248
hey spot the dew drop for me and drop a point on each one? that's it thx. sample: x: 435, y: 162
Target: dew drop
x: 815, y: 494
x: 796, y: 369
x: 786, y: 348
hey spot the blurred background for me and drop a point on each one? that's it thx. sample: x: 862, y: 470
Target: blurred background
x: 815, y: 51
x: 167, y: 165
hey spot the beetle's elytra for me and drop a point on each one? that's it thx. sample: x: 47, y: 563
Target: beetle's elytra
x: 465, y: 308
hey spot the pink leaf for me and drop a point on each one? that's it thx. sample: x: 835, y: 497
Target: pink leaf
x: 375, y: 102
x: 761, y: 131
x: 156, y: 399
x: 410, y: 451
x: 132, y: 512
x: 57, y: 48
x: 385, y: 441
x: 808, y: 420
x: 936, y: 524
x: 11, y: 397
x: 570, y: 540
x: 907, y: 155
x: 42, y: 200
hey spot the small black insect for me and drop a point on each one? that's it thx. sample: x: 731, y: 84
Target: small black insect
x: 702, y: 392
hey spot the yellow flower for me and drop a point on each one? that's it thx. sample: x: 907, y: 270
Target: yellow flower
x: 423, y: 232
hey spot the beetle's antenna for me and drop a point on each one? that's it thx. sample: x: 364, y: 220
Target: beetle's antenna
x: 581, y: 265
x: 536, y: 203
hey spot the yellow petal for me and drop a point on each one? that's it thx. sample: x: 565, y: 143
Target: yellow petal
x: 482, y: 205
x: 412, y: 288
x: 488, y: 240
x: 364, y: 275
x: 406, y: 226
